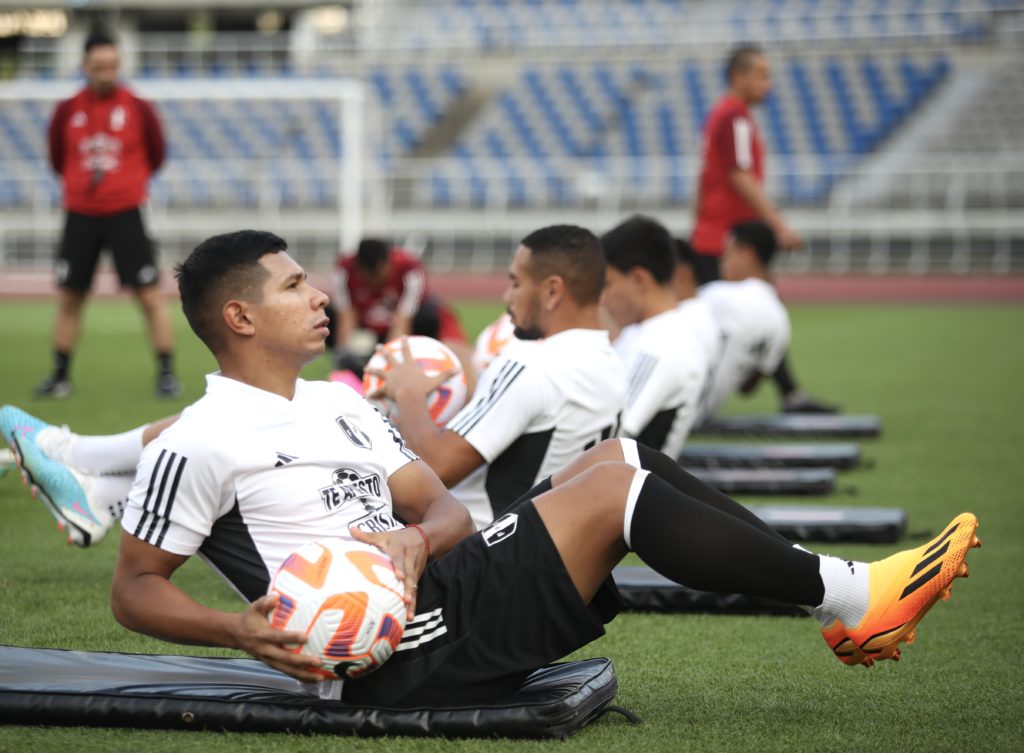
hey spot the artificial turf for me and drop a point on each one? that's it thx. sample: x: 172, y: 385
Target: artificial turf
x: 947, y: 383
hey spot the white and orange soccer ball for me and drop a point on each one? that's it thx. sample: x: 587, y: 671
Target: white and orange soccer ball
x: 435, y: 358
x: 492, y: 340
x: 343, y: 595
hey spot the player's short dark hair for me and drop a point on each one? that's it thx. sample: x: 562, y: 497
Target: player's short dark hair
x: 574, y: 254
x: 219, y: 269
x: 758, y: 236
x: 372, y: 252
x: 740, y: 59
x: 684, y: 253
x: 641, y: 242
x: 98, y: 38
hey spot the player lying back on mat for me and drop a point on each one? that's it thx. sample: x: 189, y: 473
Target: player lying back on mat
x: 530, y: 588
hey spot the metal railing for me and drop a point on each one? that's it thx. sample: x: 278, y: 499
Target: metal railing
x: 949, y: 214
x: 951, y: 183
x: 947, y: 182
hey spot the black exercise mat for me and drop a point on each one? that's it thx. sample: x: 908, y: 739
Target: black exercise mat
x: 768, y: 480
x: 51, y: 687
x: 832, y: 455
x: 808, y: 425
x: 644, y: 590
x: 808, y: 522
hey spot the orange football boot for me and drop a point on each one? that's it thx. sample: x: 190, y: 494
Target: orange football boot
x: 903, y: 587
x: 846, y: 651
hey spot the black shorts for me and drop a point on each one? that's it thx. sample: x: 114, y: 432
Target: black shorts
x: 85, y: 237
x: 495, y: 608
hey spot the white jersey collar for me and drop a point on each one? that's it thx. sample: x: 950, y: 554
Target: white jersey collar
x: 231, y: 389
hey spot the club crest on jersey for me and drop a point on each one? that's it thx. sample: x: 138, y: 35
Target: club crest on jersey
x: 348, y: 485
x: 355, y: 435
x: 501, y: 529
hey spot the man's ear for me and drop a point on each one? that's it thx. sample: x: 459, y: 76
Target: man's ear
x: 640, y: 276
x: 237, y: 318
x: 552, y: 290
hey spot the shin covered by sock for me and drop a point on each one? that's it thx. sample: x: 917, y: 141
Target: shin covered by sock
x: 668, y: 470
x: 700, y: 546
x: 110, y: 453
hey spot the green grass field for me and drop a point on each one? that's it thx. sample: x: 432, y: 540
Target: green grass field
x: 947, y: 382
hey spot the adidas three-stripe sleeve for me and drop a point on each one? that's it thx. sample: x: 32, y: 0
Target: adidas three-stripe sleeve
x: 177, y: 481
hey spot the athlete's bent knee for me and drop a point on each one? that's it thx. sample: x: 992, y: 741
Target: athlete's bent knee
x: 607, y: 483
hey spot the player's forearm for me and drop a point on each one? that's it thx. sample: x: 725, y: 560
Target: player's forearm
x: 346, y: 324
x: 752, y: 192
x: 150, y: 604
x: 446, y: 523
x: 401, y: 325
x: 418, y: 429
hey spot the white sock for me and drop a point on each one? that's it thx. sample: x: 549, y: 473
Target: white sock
x: 110, y: 453
x: 630, y: 453
x: 109, y: 493
x: 846, y: 591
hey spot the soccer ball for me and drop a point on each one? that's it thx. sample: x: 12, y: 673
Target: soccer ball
x: 344, y: 597
x: 492, y: 341
x: 434, y: 357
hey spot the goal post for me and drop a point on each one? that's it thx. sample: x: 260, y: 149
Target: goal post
x: 286, y: 152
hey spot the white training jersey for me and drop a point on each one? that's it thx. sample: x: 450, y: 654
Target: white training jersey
x: 536, y: 408
x: 667, y: 359
x: 755, y: 334
x: 245, y: 477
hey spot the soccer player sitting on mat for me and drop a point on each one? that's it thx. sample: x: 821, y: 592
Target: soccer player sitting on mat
x: 556, y: 390
x: 527, y: 590
x: 745, y: 305
x: 668, y: 347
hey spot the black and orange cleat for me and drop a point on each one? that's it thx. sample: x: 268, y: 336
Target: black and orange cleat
x: 846, y: 650
x: 903, y: 587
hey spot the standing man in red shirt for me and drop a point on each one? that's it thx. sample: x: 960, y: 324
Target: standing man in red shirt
x: 105, y: 143
x: 731, y: 189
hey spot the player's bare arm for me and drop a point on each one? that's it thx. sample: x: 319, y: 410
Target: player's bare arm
x: 747, y: 186
x: 346, y: 326
x: 421, y: 499
x: 144, y: 599
x: 450, y: 456
x: 401, y: 325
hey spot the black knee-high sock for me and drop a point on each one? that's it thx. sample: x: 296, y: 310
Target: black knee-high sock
x: 700, y: 546
x: 667, y: 469
x: 784, y: 378
x: 61, y: 365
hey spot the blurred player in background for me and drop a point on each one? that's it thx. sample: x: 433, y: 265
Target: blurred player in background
x: 105, y: 143
x: 554, y: 391
x: 745, y: 305
x: 731, y: 189
x: 668, y: 347
x: 384, y: 290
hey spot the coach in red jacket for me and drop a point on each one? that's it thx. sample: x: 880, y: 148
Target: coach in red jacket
x: 105, y: 143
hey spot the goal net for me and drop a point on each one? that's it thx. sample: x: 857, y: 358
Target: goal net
x: 280, y: 154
